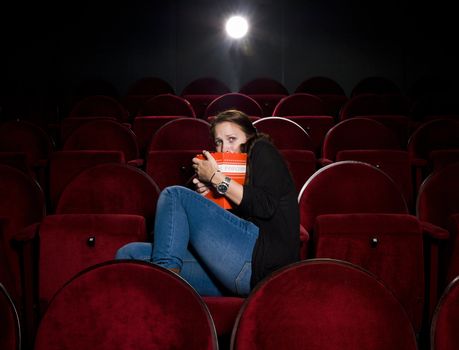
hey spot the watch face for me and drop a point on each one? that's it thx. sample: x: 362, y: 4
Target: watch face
x: 222, y: 188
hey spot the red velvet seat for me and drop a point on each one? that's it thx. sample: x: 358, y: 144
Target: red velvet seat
x: 22, y: 204
x: 310, y: 113
x: 328, y: 90
x: 444, y: 335
x: 183, y: 134
x: 69, y: 243
x: 452, y: 260
x: 99, y: 106
x: 266, y: 91
x: 434, y: 135
x: 392, y: 111
x: 17, y: 160
x: 142, y: 90
x: 395, y: 163
x: 437, y: 203
x: 173, y: 146
x: 69, y: 125
x: 65, y: 165
x: 145, y: 127
x: 108, y: 135
x: 285, y: 133
x: 348, y: 187
x: 375, y: 104
x: 156, y: 112
x: 202, y: 91
x: 388, y: 245
x: 126, y: 305
x: 167, y: 105
x: 318, y: 85
x: 375, y: 85
x: 301, y: 163
x: 234, y: 100
x: 442, y: 158
x: 357, y: 133
x: 299, y: 104
x: 171, y: 167
x: 29, y: 138
x: 10, y: 331
x: 110, y: 189
x: 322, y: 304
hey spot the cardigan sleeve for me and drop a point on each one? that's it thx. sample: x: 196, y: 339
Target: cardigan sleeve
x: 269, y: 180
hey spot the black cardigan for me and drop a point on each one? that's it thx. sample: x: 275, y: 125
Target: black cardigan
x: 270, y: 202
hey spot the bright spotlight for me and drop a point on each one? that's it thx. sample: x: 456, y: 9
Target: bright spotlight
x: 237, y: 27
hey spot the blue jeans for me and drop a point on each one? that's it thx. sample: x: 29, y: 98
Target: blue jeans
x: 211, y: 246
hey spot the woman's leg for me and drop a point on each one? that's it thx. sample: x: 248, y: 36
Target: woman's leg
x: 192, y: 270
x: 222, y: 242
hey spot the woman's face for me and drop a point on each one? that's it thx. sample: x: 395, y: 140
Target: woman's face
x: 229, y: 137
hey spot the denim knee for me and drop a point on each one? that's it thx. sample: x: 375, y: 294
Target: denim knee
x: 135, y: 250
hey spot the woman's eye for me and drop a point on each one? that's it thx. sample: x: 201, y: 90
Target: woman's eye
x: 218, y: 142
x: 232, y: 139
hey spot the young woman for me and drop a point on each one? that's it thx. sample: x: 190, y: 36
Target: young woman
x: 219, y: 251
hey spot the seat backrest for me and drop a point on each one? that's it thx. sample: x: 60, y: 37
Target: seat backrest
x: 70, y: 243
x: 266, y: 91
x: 320, y: 86
x: 285, y: 133
x: 99, y: 106
x: 142, y: 90
x: 299, y: 104
x: 301, y: 163
x: 150, y: 86
x: 372, y: 104
x: 63, y: 166
x: 348, y: 187
x: 316, y: 126
x: 438, y: 196
x: 167, y: 105
x: 438, y: 134
x: 17, y: 160
x: 126, y: 304
x: 442, y: 158
x: 322, y: 304
x: 110, y: 188
x: 375, y: 85
x: 388, y: 245
x: 443, y: 333
x: 394, y: 163
x: 205, y: 86
x: 234, y: 100
x: 202, y: 91
x: 69, y: 125
x: 22, y: 204
x: 171, y: 167
x: 23, y: 136
x: 104, y: 134
x: 183, y: 133
x: 10, y: 331
x: 263, y: 86
x: 145, y: 127
x: 358, y: 133
x: 451, y: 251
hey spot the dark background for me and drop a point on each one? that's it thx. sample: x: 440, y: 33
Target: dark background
x: 48, y: 47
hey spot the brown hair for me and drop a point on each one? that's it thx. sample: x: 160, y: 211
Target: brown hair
x: 243, y: 121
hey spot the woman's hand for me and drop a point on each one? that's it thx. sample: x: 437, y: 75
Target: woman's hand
x: 205, y: 168
x: 201, y: 187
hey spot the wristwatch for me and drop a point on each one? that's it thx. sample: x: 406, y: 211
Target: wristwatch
x: 222, y: 187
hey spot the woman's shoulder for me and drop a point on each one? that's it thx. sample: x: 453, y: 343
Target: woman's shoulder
x: 264, y: 144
